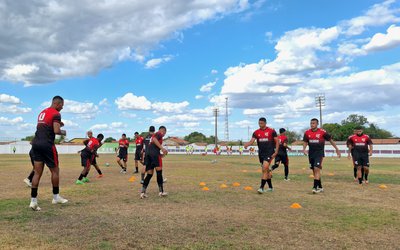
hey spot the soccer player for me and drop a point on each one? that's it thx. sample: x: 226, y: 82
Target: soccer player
x: 44, y: 150
x: 95, y: 155
x: 154, y: 161
x: 282, y: 156
x: 88, y: 157
x: 123, y: 153
x: 315, y: 139
x: 362, y: 149
x: 146, y: 143
x: 138, y: 152
x: 268, y: 146
x: 350, y: 156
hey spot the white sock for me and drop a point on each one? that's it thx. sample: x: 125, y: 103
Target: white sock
x: 56, y: 196
x: 34, y: 200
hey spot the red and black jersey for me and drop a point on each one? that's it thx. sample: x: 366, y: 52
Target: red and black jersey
x: 153, y: 149
x: 359, y: 143
x: 265, y: 141
x: 348, y: 144
x: 316, y: 141
x: 139, y: 143
x: 45, y: 129
x: 282, y: 140
x: 91, y: 146
x: 123, y: 145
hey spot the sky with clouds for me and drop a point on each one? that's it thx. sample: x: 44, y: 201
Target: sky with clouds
x: 124, y: 65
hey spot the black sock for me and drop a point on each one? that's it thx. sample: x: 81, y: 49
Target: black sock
x: 30, y: 177
x: 286, y: 171
x: 143, y: 176
x: 315, y: 183
x: 269, y: 183
x: 124, y: 168
x: 80, y: 177
x: 56, y: 190
x: 137, y: 169
x: 34, y: 192
x: 319, y: 183
x: 366, y: 176
x: 275, y: 166
x: 263, y: 183
x: 360, y: 180
x: 85, y: 175
x: 160, y: 181
x: 146, y: 181
x: 355, y: 172
x: 99, y: 171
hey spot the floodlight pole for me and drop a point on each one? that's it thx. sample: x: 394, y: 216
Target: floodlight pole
x: 320, y: 102
x: 215, y: 111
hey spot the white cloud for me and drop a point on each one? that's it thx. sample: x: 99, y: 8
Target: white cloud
x: 118, y: 125
x: 4, y: 98
x: 170, y: 107
x: 99, y: 127
x: 132, y: 102
x: 207, y: 87
x: 197, y: 97
x: 103, y: 102
x: 191, y: 124
x: 155, y: 62
x: 384, y: 41
x: 252, y: 112
x: 76, y: 107
x: 244, y: 124
x: 70, y: 124
x: 128, y: 115
x: 5, y: 121
x: 46, y: 41
x: 13, y: 109
x: 214, y: 71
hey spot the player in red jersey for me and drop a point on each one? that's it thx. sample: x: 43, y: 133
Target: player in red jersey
x: 282, y: 156
x: 315, y: 139
x: 44, y: 150
x: 123, y: 153
x: 88, y: 157
x: 138, y: 153
x: 146, y: 143
x: 362, y: 149
x: 268, y: 146
x: 154, y: 161
x: 350, y: 156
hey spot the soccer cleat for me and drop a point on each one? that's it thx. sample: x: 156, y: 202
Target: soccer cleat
x: 320, y: 190
x: 28, y: 182
x: 165, y: 180
x: 79, y: 182
x: 366, y: 182
x: 270, y: 190
x: 142, y: 181
x: 355, y: 180
x: 121, y: 171
x: 85, y: 179
x: 260, y: 191
x: 136, y: 172
x: 287, y: 179
x: 59, y: 200
x: 314, y: 191
x: 34, y: 206
x: 143, y: 195
x: 163, y: 194
x: 99, y: 176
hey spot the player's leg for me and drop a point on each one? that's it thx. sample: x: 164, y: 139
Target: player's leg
x: 39, y: 166
x: 276, y: 163
x: 359, y: 170
x: 28, y: 180
x: 84, y: 163
x: 366, y: 168
x: 96, y: 166
x: 146, y: 182
x: 286, y: 165
x: 86, y: 170
x: 119, y: 159
x: 160, y: 179
x: 55, y: 180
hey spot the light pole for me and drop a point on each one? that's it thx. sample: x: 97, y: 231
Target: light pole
x: 320, y: 102
x: 215, y: 111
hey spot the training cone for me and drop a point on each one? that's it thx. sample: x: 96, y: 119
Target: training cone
x: 331, y: 174
x: 236, y: 184
x: 383, y: 186
x: 295, y: 206
x: 132, y: 179
x: 244, y: 171
x: 223, y: 186
x: 248, y: 188
x: 311, y: 176
x: 202, y: 184
x: 205, y: 189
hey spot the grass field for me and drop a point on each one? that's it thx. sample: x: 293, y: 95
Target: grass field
x: 108, y: 214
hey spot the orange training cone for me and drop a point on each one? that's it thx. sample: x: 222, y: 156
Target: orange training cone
x: 248, y: 188
x: 295, y: 206
x: 202, y: 184
x: 223, y: 186
x: 205, y: 189
x: 132, y: 179
x: 236, y: 184
x: 383, y: 186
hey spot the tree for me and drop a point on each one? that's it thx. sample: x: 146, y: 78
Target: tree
x: 109, y: 139
x: 356, y: 119
x: 195, y: 137
x: 292, y: 136
x: 28, y: 138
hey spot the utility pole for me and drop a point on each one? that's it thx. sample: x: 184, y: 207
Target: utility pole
x: 320, y: 102
x: 226, y: 121
x: 215, y: 111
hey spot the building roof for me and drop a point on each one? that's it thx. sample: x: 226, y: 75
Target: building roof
x: 77, y: 140
x: 175, y: 141
x: 386, y: 141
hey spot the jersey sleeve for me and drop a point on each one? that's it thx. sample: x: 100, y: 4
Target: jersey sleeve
x: 305, y: 138
x: 57, y: 117
x: 254, y: 135
x: 327, y: 136
x: 274, y: 134
x: 349, y: 142
x: 158, y: 136
x: 369, y: 141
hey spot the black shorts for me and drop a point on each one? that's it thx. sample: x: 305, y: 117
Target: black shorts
x: 282, y: 159
x: 86, y: 160
x: 153, y: 161
x: 46, y: 153
x: 316, y: 161
x: 123, y: 156
x: 138, y: 155
x: 263, y: 158
x: 361, y: 160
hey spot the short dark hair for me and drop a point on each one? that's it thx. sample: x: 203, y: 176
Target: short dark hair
x: 136, y: 133
x: 100, y: 136
x: 282, y: 130
x: 123, y: 134
x: 315, y: 119
x: 152, y: 129
x: 58, y: 98
x: 262, y: 119
x: 162, y: 127
x: 358, y: 127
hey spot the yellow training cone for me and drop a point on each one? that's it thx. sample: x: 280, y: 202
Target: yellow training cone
x: 331, y: 174
x: 132, y: 179
x: 295, y: 205
x: 205, y: 189
x: 248, y: 188
x: 236, y: 184
x: 311, y: 176
x: 202, y: 184
x: 383, y: 186
x: 223, y: 186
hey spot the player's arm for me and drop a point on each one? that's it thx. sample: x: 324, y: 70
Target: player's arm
x: 370, y: 147
x: 158, y: 144
x: 57, y: 129
x: 246, y: 145
x: 276, y: 147
x: 350, y: 147
x: 305, y: 144
x: 336, y: 148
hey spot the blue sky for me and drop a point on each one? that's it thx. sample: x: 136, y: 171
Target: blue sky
x: 125, y: 65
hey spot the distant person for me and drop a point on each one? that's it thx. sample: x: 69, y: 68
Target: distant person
x: 315, y: 139
x: 268, y: 146
x: 122, y: 157
x: 44, y: 150
x: 14, y: 149
x: 362, y: 145
x: 138, y: 151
